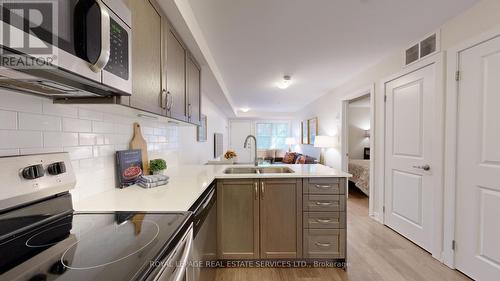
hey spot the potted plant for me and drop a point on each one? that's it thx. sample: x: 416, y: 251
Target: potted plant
x: 157, y: 166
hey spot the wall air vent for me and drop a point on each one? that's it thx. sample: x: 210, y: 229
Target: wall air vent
x: 422, y: 49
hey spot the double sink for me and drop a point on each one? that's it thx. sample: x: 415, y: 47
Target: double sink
x: 257, y: 170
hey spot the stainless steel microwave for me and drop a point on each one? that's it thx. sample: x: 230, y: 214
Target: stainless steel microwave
x: 90, y: 41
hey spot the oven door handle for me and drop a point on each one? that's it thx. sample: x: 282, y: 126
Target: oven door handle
x: 181, y: 271
x: 105, y: 39
x: 187, y: 241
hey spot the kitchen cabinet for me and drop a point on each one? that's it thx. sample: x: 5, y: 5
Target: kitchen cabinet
x: 259, y: 218
x: 238, y: 219
x: 147, y: 54
x: 176, y: 77
x: 280, y: 218
x: 193, y: 89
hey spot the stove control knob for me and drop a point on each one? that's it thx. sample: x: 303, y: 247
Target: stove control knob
x: 33, y: 172
x: 56, y: 168
x: 58, y: 268
x: 39, y: 277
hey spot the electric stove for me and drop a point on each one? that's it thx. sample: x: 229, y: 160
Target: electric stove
x: 42, y: 238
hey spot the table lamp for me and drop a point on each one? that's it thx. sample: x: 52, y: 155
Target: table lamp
x: 324, y: 142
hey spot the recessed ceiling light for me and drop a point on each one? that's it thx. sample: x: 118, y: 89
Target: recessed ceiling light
x: 244, y: 109
x: 285, y: 83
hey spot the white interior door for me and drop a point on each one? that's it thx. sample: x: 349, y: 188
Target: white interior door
x: 239, y: 130
x: 408, y: 166
x: 478, y: 163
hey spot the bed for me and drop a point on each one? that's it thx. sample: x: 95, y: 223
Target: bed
x: 360, y: 170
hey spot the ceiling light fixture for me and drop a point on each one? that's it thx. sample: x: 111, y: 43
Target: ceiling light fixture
x: 245, y: 109
x: 287, y: 80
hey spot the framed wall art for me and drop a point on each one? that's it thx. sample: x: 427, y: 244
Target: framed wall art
x: 313, y: 129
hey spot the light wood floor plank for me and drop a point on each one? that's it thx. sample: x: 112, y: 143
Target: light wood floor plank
x: 374, y: 253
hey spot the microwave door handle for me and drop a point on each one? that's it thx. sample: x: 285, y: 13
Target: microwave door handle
x: 105, y: 39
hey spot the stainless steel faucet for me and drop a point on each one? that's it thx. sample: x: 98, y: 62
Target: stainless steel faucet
x: 245, y: 145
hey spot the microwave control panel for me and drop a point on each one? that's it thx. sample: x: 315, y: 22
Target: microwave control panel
x: 118, y: 63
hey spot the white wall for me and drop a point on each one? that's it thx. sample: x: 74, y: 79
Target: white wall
x: 92, y: 133
x: 478, y: 19
x: 359, y: 122
x: 193, y: 152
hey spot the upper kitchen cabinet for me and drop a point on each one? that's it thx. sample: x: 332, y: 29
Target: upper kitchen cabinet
x: 147, y: 46
x: 176, y: 78
x: 193, y: 85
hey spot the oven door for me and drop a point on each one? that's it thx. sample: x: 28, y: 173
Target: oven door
x: 77, y: 30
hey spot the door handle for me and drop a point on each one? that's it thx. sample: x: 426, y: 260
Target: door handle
x: 170, y: 101
x: 424, y: 167
x: 105, y: 39
x: 163, y: 99
x: 256, y: 191
x: 262, y: 189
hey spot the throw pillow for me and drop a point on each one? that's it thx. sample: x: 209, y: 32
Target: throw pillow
x: 289, y: 157
x: 301, y: 160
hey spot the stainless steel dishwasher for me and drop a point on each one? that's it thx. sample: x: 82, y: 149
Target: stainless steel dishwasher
x: 204, y: 253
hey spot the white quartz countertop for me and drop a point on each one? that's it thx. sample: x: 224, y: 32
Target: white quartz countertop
x: 186, y: 184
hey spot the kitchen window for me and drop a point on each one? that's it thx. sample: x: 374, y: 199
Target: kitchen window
x: 272, y: 135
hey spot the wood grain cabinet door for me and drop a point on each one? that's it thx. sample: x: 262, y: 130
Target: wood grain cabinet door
x: 147, y: 49
x: 193, y: 91
x: 280, y: 218
x: 176, y: 78
x: 238, y: 219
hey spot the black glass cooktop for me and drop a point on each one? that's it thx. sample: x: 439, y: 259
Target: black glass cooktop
x: 89, y: 246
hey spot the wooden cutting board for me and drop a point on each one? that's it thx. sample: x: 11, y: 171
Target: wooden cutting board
x: 138, y: 142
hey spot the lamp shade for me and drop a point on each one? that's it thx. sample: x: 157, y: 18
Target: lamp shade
x: 289, y: 141
x: 325, y: 141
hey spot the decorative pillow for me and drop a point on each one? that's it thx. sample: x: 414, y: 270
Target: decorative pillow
x: 289, y: 157
x: 301, y: 160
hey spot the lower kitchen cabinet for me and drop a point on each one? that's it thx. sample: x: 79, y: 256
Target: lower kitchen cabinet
x: 238, y: 219
x: 259, y: 219
x: 280, y: 218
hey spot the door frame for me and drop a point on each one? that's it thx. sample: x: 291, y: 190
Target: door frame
x: 451, y: 149
x: 436, y: 59
x: 368, y: 90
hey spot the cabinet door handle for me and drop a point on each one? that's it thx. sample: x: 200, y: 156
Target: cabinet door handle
x: 256, y: 191
x: 323, y: 186
x: 163, y: 99
x: 170, y: 101
x: 189, y: 110
x: 323, y: 244
x: 262, y: 189
x: 323, y: 203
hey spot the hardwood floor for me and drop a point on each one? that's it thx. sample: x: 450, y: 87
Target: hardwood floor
x: 374, y: 252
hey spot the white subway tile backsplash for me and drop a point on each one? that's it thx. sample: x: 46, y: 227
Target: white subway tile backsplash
x: 57, y: 139
x: 90, y: 115
x: 147, y: 130
x: 39, y: 122
x: 9, y: 152
x: 87, y: 139
x: 20, y: 139
x: 25, y: 151
x: 104, y: 150
x: 76, y: 125
x: 18, y: 102
x: 160, y: 131
x: 8, y: 120
x: 102, y: 127
x: 90, y: 134
x: 66, y: 110
x: 79, y: 152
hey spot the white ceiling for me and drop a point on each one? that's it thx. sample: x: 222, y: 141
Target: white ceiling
x: 320, y: 43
